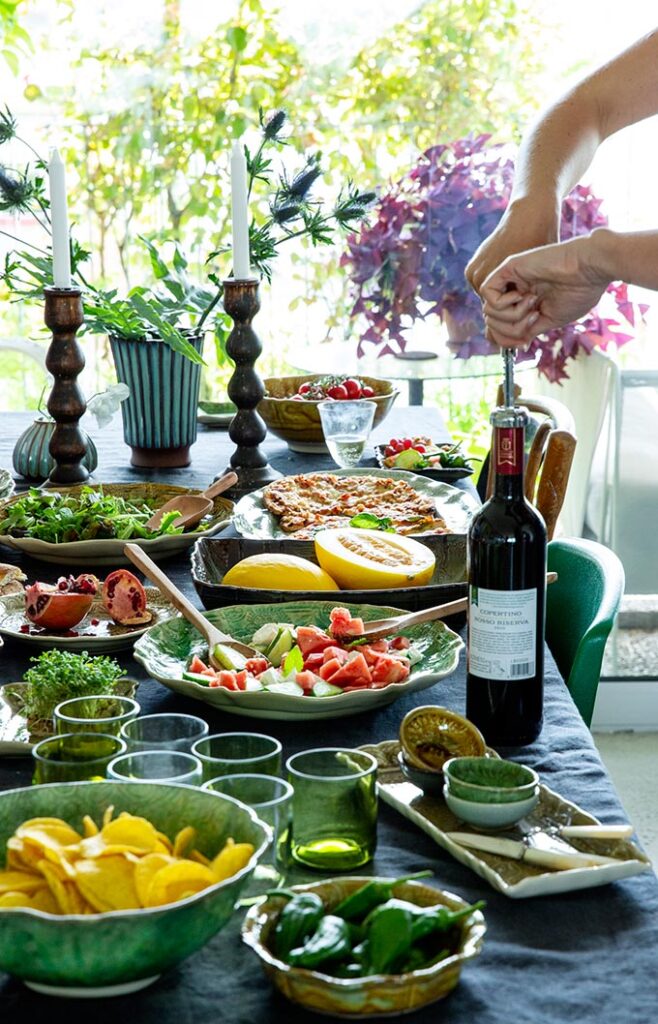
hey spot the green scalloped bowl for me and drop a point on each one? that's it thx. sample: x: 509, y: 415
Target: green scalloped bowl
x: 166, y: 649
x: 122, y: 951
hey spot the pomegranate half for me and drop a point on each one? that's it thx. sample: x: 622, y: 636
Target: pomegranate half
x: 60, y: 605
x: 124, y: 598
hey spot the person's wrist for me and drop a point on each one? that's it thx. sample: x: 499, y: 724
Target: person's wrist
x: 539, y: 213
x: 602, y: 256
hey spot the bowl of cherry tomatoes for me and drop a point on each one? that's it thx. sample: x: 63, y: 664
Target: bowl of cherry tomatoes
x: 290, y: 405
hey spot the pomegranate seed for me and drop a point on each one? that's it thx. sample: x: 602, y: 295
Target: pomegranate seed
x: 25, y: 629
x: 95, y: 622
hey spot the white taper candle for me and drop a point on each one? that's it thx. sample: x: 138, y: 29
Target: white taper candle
x: 60, y: 221
x: 239, y: 213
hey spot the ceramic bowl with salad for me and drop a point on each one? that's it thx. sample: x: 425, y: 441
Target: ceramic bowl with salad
x: 290, y: 406
x: 445, y: 461
x: 313, y: 660
x: 84, y: 525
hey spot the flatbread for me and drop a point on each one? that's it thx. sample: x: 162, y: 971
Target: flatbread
x: 312, y: 501
x: 11, y: 579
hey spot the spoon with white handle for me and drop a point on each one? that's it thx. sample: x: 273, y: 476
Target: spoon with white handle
x: 377, y: 629
x: 192, y: 508
x: 217, y: 641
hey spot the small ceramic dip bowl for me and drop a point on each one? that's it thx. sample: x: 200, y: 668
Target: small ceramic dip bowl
x: 431, y: 735
x: 489, y: 780
x: 490, y: 817
x: 430, y: 782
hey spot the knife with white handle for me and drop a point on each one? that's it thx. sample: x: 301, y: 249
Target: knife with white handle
x: 596, y: 831
x: 517, y: 850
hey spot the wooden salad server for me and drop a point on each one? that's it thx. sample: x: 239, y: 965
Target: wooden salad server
x: 192, y: 507
x: 217, y: 641
x: 377, y: 629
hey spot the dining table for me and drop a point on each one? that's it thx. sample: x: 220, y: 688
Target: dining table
x: 582, y: 956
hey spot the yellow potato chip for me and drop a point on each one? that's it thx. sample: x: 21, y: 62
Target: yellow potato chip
x: 136, y: 834
x: 199, y: 857
x: 44, y: 900
x: 107, y: 883
x: 178, y: 881
x: 64, y: 891
x: 107, y: 815
x: 231, y: 859
x: 48, y: 833
x: 20, y: 881
x: 21, y: 856
x: 89, y: 826
x: 184, y: 840
x: 14, y: 899
x: 166, y: 842
x: 146, y: 869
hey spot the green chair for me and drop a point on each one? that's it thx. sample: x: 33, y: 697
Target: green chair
x: 580, y: 611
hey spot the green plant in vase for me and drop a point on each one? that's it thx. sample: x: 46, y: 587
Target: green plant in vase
x: 157, y: 331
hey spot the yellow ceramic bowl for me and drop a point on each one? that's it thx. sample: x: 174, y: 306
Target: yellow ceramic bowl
x: 380, y: 994
x: 298, y: 423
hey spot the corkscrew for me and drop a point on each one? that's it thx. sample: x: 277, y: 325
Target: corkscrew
x: 509, y: 355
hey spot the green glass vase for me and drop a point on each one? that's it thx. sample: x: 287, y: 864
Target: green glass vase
x: 31, y: 458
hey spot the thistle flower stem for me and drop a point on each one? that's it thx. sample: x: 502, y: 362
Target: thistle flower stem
x: 254, y: 162
x: 44, y: 211
x: 25, y: 143
x: 23, y: 242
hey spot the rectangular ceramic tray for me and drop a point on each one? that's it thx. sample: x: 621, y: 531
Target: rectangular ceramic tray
x: 513, y: 878
x: 213, y: 557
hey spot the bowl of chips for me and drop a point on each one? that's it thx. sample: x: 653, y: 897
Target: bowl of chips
x: 105, y: 885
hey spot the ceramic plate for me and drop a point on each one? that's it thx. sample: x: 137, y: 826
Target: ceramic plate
x: 166, y: 650
x: 84, y: 553
x: 107, y: 636
x: 216, y: 414
x: 447, y: 474
x: 15, y: 737
x: 6, y: 484
x: 456, y: 507
x: 511, y: 877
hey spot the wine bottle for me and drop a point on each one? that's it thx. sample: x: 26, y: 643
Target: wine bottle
x: 506, y: 598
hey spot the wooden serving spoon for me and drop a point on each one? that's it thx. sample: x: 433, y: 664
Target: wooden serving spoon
x: 192, y: 508
x: 377, y: 629
x: 214, y: 637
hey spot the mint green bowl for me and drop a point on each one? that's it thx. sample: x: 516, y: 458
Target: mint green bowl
x: 489, y: 780
x: 122, y: 951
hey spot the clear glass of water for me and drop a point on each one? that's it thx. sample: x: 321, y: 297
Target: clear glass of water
x: 156, y: 766
x: 346, y: 426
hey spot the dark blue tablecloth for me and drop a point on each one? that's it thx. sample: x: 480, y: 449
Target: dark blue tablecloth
x: 582, y: 957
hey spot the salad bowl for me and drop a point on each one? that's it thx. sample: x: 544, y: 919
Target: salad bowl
x: 96, y: 550
x: 167, y: 650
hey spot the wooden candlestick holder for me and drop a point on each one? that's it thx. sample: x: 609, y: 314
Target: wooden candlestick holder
x: 245, y: 390
x: 66, y: 403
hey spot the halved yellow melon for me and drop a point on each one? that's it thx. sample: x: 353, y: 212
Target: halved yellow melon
x: 278, y: 572
x: 373, y: 560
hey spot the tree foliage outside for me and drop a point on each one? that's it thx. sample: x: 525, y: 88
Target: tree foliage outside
x: 150, y: 127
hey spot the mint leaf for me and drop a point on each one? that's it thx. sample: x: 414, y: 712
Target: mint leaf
x: 368, y: 521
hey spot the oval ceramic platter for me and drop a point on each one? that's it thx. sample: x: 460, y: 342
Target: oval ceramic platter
x: 166, y: 650
x: 102, y: 635
x: 252, y: 519
x: 109, y: 551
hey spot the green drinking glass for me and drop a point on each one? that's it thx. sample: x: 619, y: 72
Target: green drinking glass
x: 75, y: 757
x: 156, y: 766
x: 102, y: 713
x: 334, y: 817
x: 271, y: 798
x: 237, y: 753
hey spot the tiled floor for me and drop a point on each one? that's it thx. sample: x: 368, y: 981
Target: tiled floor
x: 631, y: 759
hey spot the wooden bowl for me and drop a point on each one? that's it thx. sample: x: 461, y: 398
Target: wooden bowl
x: 298, y: 423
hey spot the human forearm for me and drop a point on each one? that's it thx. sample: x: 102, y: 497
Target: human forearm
x: 630, y: 256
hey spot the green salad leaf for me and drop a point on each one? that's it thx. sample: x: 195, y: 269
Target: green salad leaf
x: 93, y: 515
x: 294, y: 661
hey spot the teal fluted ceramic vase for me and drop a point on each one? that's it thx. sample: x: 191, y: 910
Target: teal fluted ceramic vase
x: 160, y: 414
x: 31, y: 458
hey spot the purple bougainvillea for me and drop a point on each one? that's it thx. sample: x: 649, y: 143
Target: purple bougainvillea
x: 409, y: 263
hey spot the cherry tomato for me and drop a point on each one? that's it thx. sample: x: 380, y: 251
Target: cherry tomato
x: 304, y: 389
x: 352, y: 387
x: 367, y: 392
x: 338, y: 391
x: 406, y: 444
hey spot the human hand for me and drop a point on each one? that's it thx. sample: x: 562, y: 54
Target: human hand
x: 523, y: 226
x: 536, y: 291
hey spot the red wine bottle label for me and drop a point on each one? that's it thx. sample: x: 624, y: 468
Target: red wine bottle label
x: 508, y: 442
x: 502, y: 633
